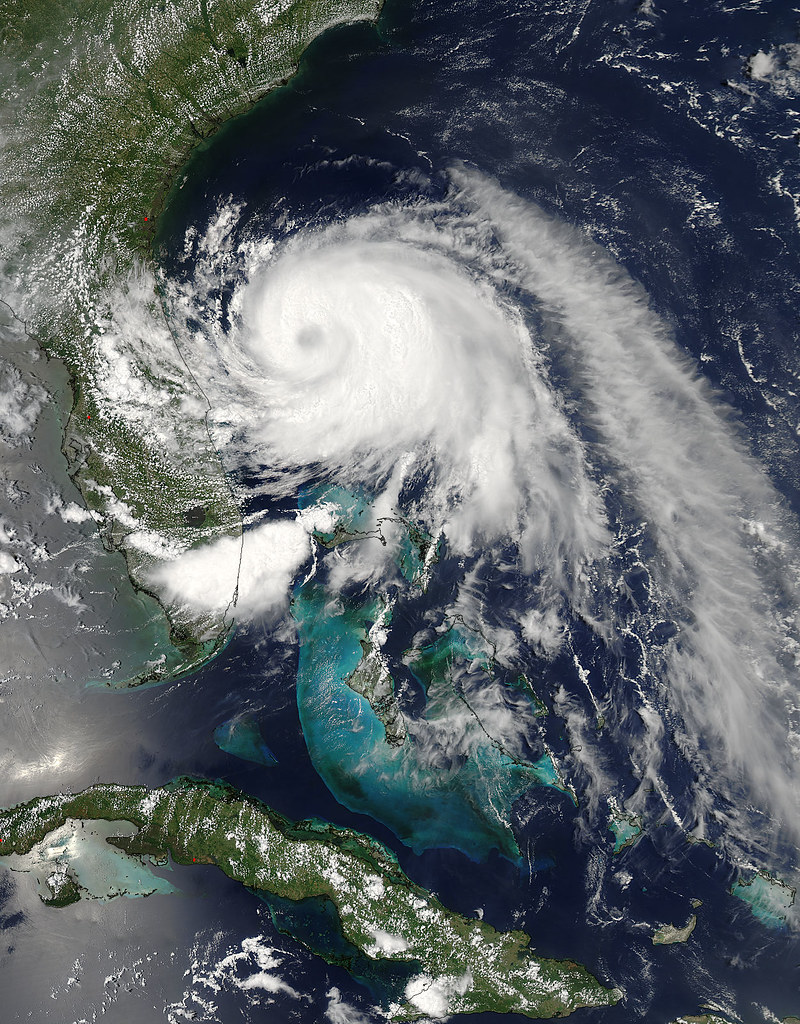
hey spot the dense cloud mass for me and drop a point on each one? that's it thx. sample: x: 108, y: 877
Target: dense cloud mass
x: 400, y: 431
x: 478, y: 366
x: 372, y: 343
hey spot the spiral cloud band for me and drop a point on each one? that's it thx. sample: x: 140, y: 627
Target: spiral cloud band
x: 498, y: 378
x: 350, y: 349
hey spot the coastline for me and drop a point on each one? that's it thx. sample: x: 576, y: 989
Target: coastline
x: 112, y: 148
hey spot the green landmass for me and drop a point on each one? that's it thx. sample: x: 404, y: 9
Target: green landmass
x: 65, y: 890
x: 704, y: 1018
x: 694, y: 840
x: 372, y: 679
x: 461, y: 965
x: 418, y: 552
x: 75, y: 861
x: 354, y: 519
x: 539, y: 707
x: 104, y: 100
x: 668, y: 934
x: 414, y: 550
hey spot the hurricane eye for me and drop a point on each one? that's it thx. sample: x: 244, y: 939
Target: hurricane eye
x: 310, y: 337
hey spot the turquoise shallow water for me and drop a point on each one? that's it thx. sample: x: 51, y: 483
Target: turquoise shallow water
x: 101, y: 869
x: 526, y: 94
x: 626, y: 830
x: 768, y: 899
x: 241, y: 736
x: 427, y: 797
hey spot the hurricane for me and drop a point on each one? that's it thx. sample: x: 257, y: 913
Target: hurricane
x: 400, y: 511
x: 474, y: 365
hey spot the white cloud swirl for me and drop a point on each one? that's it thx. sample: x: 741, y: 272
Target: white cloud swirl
x: 351, y: 349
x: 513, y: 373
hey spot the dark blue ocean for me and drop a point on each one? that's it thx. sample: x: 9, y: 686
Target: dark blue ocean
x: 563, y: 104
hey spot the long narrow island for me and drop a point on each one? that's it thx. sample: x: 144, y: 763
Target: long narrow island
x: 453, y: 964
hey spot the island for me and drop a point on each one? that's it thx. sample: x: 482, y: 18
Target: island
x: 669, y: 934
x: 768, y: 898
x: 107, y: 102
x: 703, y: 1018
x: 446, y: 963
x: 625, y: 826
x: 714, y: 1018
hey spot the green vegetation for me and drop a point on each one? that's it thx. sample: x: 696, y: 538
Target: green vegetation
x: 460, y: 964
x: 65, y: 890
x: 105, y: 100
x: 668, y: 934
x: 539, y: 707
x: 374, y: 682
